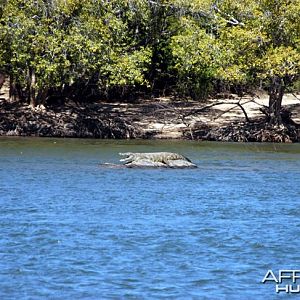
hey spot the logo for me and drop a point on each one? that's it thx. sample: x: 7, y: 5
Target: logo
x: 285, y: 282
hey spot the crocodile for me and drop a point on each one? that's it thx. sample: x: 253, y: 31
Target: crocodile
x: 156, y: 160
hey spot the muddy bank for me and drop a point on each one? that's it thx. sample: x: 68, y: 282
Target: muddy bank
x: 256, y: 131
x: 214, y: 120
x: 68, y: 121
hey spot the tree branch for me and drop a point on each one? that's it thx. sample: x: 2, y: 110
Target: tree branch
x: 229, y: 19
x: 237, y: 104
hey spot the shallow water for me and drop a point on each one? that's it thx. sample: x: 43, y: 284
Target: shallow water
x: 73, y: 230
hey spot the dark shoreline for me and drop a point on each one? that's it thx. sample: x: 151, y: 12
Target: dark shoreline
x: 68, y: 122
x: 116, y: 121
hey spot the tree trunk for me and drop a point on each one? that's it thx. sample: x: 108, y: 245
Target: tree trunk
x: 14, y: 89
x: 11, y: 88
x: 275, y: 101
x: 42, y: 96
x: 2, y: 80
x: 31, y: 87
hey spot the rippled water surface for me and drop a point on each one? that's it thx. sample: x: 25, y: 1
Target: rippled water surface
x: 73, y: 230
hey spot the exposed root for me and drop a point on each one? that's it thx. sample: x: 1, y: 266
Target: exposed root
x: 250, y: 132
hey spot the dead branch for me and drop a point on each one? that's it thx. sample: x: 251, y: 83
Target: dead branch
x: 244, y: 111
x: 296, y: 96
x: 236, y: 104
x: 182, y: 114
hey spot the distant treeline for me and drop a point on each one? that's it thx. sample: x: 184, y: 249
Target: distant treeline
x: 88, y: 49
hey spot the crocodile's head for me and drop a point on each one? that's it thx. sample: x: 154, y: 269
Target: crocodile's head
x: 128, y: 159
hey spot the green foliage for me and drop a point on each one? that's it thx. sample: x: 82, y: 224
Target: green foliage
x: 128, y: 68
x: 281, y: 62
x: 67, y: 41
x: 266, y: 44
x: 140, y: 43
x: 193, y: 52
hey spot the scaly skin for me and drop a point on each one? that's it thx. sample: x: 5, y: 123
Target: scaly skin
x: 156, y: 159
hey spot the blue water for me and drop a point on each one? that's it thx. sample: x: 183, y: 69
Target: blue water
x: 73, y: 230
